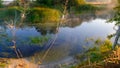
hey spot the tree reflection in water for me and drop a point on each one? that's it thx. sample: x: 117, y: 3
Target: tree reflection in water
x: 46, y: 28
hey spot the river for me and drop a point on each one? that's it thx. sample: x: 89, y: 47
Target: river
x: 71, y: 38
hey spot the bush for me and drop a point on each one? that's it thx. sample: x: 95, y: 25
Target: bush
x: 6, y: 14
x: 85, y: 7
x: 1, y: 5
x: 98, y: 53
x: 80, y: 2
x: 39, y: 14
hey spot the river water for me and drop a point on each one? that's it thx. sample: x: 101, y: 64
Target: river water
x: 71, y: 37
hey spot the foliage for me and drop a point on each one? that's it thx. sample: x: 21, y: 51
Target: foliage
x: 85, y: 7
x: 40, y: 14
x: 101, y: 51
x: 51, y: 3
x: 98, y: 53
x: 46, y: 10
x: 81, y: 2
x: 116, y: 17
x: 76, y: 6
x: 106, y: 46
x: 60, y: 3
x: 35, y: 15
x: 9, y: 13
x: 47, y: 3
x: 112, y: 60
x: 1, y: 5
x: 39, y: 40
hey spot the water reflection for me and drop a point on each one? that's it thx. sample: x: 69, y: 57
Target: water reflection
x: 46, y: 28
x: 71, y: 37
x: 73, y: 20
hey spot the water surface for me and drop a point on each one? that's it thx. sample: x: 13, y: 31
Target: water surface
x: 71, y: 37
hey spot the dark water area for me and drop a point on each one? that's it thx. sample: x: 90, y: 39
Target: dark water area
x: 70, y: 41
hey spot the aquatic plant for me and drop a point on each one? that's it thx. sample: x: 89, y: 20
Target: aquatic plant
x: 39, y: 40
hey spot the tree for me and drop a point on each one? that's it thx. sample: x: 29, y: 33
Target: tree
x: 24, y: 7
x: 116, y: 19
x: 1, y: 3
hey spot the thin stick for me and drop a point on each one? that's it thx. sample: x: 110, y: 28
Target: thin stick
x: 15, y: 49
x: 56, y: 34
x: 49, y: 47
x: 20, y: 53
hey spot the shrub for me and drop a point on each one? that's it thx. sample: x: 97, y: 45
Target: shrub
x: 85, y: 7
x: 9, y: 13
x: 98, y: 53
x: 80, y: 2
x: 39, y: 14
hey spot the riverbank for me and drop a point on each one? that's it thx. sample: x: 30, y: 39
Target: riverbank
x: 24, y: 63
